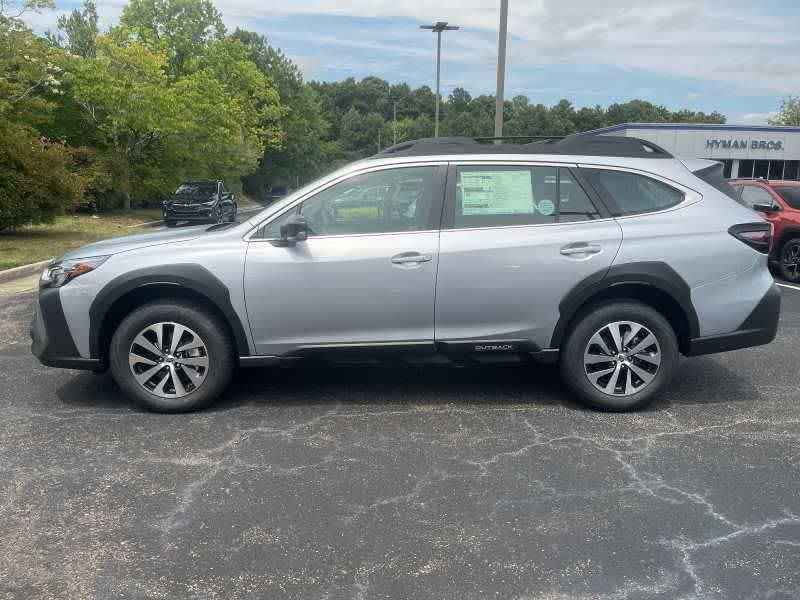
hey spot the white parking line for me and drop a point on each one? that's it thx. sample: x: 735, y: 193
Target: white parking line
x: 786, y: 285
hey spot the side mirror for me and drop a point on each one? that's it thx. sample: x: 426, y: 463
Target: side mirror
x: 294, y: 230
x: 766, y: 208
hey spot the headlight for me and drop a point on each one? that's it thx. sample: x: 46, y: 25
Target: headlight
x: 61, y: 272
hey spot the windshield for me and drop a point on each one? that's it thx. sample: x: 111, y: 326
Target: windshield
x: 790, y: 194
x: 197, y: 190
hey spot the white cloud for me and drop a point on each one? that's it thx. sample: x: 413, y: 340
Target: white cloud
x: 755, y: 118
x: 713, y: 41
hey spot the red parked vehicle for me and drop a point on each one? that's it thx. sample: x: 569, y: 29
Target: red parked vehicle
x: 779, y: 202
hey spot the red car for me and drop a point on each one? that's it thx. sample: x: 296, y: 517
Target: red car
x: 779, y: 202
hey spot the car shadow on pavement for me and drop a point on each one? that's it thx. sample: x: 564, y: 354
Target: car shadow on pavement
x: 698, y: 381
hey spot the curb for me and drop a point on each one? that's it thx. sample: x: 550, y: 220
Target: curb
x: 23, y: 271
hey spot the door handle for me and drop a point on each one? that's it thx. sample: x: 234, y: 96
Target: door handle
x: 411, y: 257
x: 581, y: 248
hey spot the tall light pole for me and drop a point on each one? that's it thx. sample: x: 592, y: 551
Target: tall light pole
x: 501, y: 70
x: 438, y: 28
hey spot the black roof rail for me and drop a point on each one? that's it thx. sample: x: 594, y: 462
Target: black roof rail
x: 578, y: 145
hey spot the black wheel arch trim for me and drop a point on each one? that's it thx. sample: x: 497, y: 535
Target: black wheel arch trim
x: 654, y: 274
x: 193, y: 277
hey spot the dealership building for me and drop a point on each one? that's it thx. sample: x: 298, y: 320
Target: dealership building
x: 745, y: 150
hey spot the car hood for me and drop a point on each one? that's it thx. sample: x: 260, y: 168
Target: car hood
x: 132, y: 242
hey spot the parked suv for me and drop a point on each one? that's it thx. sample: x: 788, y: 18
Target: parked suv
x: 606, y: 255
x: 779, y: 202
x: 204, y: 201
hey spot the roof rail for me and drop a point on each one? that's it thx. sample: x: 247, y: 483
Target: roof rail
x: 578, y: 145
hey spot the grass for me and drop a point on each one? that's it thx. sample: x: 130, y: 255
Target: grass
x: 40, y: 242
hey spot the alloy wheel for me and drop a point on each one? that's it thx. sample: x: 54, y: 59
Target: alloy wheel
x: 622, y: 358
x: 168, y: 359
x: 790, y: 261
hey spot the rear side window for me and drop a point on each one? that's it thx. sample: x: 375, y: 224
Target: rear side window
x: 631, y: 193
x: 790, y: 194
x: 495, y: 196
x: 714, y: 176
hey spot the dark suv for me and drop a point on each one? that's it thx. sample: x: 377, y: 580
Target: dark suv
x: 205, y: 201
x: 779, y: 202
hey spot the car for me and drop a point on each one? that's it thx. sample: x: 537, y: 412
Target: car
x: 204, y: 201
x: 779, y: 202
x: 275, y: 193
x: 607, y: 256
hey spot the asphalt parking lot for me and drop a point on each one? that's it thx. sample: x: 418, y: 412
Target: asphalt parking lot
x: 402, y: 482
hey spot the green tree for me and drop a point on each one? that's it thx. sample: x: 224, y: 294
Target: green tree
x: 80, y: 29
x: 303, y: 150
x: 181, y: 29
x: 789, y: 113
x: 124, y: 94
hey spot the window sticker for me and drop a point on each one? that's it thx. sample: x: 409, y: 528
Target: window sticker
x: 497, y: 192
x: 546, y: 207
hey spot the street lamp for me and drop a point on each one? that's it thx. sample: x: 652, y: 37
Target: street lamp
x: 501, y: 70
x: 438, y: 28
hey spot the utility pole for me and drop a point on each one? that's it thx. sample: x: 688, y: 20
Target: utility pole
x: 394, y: 123
x: 501, y: 70
x: 438, y: 28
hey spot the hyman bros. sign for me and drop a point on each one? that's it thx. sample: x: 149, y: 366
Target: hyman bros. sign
x: 743, y: 144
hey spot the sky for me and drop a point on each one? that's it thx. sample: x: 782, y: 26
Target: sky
x: 739, y: 57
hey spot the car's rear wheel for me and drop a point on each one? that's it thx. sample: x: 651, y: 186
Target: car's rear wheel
x: 619, y: 355
x: 790, y: 260
x: 170, y: 356
x: 170, y: 223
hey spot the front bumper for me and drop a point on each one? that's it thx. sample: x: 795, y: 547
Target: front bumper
x: 760, y: 327
x: 52, y: 342
x: 201, y: 214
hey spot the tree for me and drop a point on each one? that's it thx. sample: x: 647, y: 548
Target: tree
x: 80, y: 29
x: 123, y: 93
x: 181, y: 29
x: 303, y: 151
x: 789, y: 113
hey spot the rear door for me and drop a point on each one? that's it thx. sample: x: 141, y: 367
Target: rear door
x: 516, y: 239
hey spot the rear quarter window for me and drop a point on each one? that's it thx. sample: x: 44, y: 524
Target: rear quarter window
x: 631, y: 193
x: 715, y: 177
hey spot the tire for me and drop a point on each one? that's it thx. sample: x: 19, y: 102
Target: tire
x: 233, y: 215
x: 216, y: 216
x: 582, y: 356
x: 197, y: 385
x: 790, y: 260
x: 170, y: 223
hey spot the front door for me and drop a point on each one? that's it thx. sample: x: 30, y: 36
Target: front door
x: 366, y: 275
x: 515, y: 241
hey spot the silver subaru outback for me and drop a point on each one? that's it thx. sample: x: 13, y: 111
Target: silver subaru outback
x: 606, y: 255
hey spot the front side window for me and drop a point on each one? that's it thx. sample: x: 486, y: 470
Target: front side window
x: 387, y: 201
x: 753, y: 194
x: 492, y: 196
x: 631, y: 193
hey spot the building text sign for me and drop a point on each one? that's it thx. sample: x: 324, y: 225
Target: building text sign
x: 744, y: 144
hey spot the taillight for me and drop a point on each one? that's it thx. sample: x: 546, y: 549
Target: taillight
x: 756, y: 235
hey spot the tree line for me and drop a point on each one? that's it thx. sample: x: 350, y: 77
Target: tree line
x: 120, y: 117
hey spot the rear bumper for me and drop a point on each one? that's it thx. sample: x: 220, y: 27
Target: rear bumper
x: 759, y: 328
x: 51, y: 341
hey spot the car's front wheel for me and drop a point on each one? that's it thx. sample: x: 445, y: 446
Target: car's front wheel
x: 171, y: 356
x: 170, y: 222
x: 619, y: 355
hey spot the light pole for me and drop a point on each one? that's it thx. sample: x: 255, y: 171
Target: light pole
x: 501, y: 70
x: 438, y: 28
